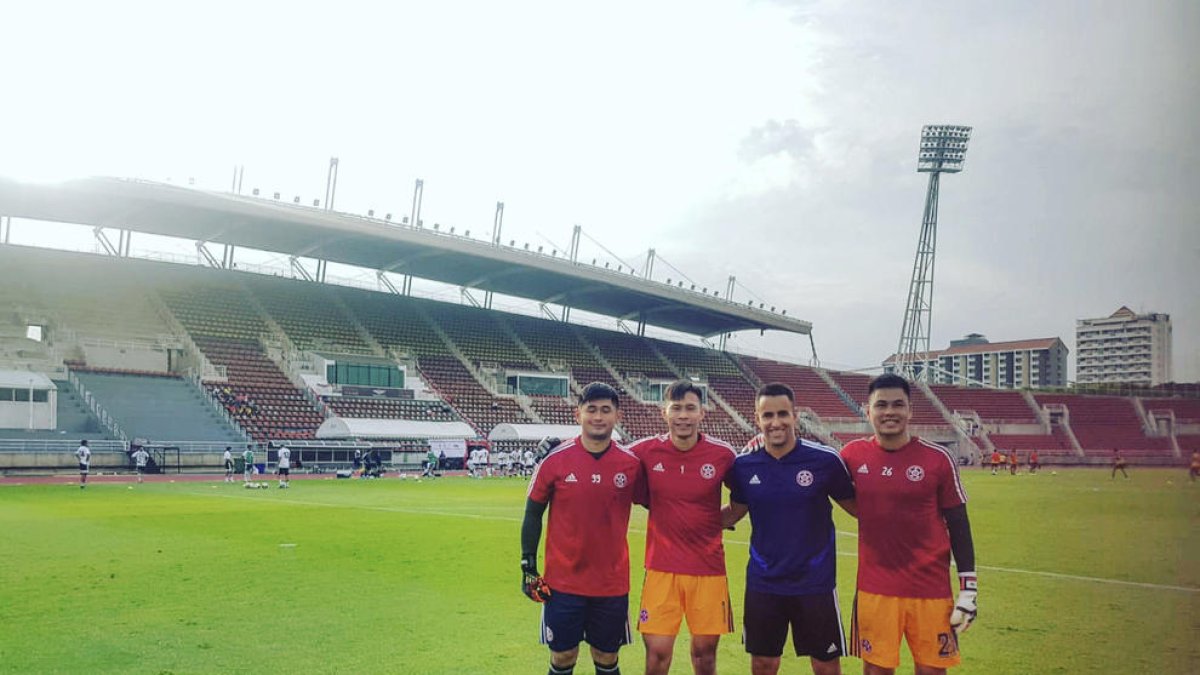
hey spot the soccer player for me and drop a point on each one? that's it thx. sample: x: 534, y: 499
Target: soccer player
x: 685, y: 558
x: 996, y: 459
x: 140, y: 457
x: 284, y: 467
x: 912, y: 515
x: 786, y: 484
x: 528, y: 460
x: 1013, y: 463
x: 431, y: 463
x: 1195, y: 469
x: 84, y: 454
x: 248, y: 458
x: 1118, y: 465
x: 588, y: 483
x: 1033, y: 462
x: 228, y: 459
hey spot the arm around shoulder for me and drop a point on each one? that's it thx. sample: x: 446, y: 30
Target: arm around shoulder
x: 731, y: 513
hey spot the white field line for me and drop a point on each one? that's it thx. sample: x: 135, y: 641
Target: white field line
x: 740, y: 542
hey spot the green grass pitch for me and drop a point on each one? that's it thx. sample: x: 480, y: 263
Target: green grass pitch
x: 1078, y: 573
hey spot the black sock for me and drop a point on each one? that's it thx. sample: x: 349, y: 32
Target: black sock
x: 566, y: 670
x: 613, y: 668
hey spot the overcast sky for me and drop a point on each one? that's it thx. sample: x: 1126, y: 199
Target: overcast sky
x: 774, y: 141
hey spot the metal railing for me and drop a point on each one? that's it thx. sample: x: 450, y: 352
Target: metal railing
x: 106, y: 420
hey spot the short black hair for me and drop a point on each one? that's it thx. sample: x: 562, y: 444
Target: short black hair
x: 83, y: 442
x: 889, y: 381
x: 681, y: 388
x: 776, y: 389
x: 598, y: 391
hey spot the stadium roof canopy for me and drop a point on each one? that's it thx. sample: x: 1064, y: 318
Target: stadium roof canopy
x: 282, y: 227
x: 536, y: 432
x: 350, y: 427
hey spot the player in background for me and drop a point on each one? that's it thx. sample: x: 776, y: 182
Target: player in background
x: 227, y: 458
x: 588, y: 483
x: 528, y: 460
x: 140, y: 457
x: 685, y: 557
x: 431, y: 464
x: 912, y: 515
x: 996, y: 459
x: 248, y: 458
x: 1118, y: 465
x: 786, y: 483
x: 84, y: 454
x: 1013, y: 463
x: 1033, y: 461
x: 284, y: 468
x: 1194, y: 471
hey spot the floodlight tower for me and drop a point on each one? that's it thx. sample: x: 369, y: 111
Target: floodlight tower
x: 943, y: 150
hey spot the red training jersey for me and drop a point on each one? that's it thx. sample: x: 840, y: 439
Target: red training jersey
x: 903, y: 544
x: 683, y: 533
x: 995, y: 458
x: 587, y: 552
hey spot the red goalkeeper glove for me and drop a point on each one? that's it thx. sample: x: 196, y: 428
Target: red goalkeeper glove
x: 532, y: 584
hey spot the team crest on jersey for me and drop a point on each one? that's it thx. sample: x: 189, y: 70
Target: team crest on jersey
x: 914, y: 473
x: 620, y: 480
x: 866, y: 646
x: 708, y: 471
x: 804, y: 478
x: 644, y: 616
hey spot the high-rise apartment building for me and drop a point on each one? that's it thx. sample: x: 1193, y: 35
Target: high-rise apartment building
x: 1124, y: 347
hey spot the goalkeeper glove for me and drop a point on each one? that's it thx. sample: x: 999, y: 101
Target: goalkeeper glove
x: 547, y: 444
x: 757, y: 443
x: 965, y: 609
x: 532, y: 584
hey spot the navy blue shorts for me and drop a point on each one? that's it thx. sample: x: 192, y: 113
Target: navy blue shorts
x: 602, y: 622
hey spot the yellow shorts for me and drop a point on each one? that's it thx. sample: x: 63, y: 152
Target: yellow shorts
x: 879, y: 621
x: 668, y: 598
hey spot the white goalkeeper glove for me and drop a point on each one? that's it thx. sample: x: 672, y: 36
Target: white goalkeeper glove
x: 965, y: 608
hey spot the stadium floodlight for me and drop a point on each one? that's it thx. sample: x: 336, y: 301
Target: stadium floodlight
x: 943, y: 150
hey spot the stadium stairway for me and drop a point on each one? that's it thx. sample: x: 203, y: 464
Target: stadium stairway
x: 158, y: 408
x: 73, y: 414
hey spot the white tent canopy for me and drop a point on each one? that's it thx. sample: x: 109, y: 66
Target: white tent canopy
x: 536, y: 432
x: 353, y: 427
x: 24, y: 379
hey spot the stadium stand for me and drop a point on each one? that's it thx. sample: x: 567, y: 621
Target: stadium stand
x: 811, y: 389
x: 923, y: 410
x: 1055, y: 445
x: 465, y: 394
x: 257, y: 393
x: 628, y: 354
x: 394, y: 321
x: 479, y: 337
x: 1105, y: 423
x: 308, y: 314
x: 385, y: 408
x: 992, y: 405
x: 157, y: 406
x: 244, y: 325
x: 1186, y: 410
